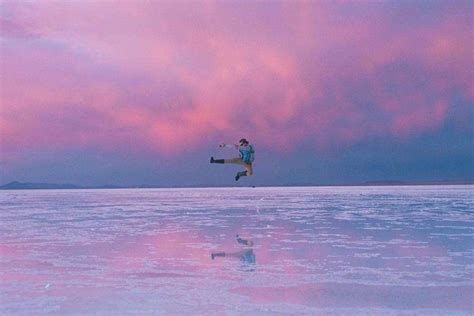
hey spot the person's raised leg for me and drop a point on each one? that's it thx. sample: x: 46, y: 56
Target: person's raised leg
x: 236, y: 161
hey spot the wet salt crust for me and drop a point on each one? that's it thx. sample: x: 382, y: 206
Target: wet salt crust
x: 315, y: 250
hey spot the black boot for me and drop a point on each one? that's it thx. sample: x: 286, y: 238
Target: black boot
x: 216, y: 160
x: 240, y: 174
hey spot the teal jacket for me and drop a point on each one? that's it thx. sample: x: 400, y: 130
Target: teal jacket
x: 247, y: 153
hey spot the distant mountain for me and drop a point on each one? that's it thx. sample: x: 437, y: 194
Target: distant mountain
x: 15, y: 185
x: 107, y: 186
x: 386, y: 182
x: 396, y: 182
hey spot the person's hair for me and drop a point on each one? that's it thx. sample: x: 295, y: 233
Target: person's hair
x: 243, y: 140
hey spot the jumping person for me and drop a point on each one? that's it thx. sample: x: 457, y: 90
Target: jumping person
x: 245, y: 159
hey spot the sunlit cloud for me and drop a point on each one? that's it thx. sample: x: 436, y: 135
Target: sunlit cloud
x: 170, y: 77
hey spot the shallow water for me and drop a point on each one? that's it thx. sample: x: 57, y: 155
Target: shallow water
x: 316, y: 250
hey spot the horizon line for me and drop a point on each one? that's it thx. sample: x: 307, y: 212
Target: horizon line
x: 16, y: 185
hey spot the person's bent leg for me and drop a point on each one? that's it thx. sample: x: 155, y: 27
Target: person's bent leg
x: 249, y: 169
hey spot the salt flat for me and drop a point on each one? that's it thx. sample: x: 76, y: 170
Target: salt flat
x: 316, y: 250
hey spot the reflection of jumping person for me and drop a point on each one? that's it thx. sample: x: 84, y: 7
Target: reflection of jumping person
x: 246, y: 158
x: 247, y: 255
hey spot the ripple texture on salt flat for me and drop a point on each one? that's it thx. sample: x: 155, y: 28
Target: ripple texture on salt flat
x: 339, y: 250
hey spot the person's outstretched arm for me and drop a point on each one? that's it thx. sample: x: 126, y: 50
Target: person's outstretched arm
x: 229, y: 145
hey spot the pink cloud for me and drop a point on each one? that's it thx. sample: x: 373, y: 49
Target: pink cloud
x: 170, y: 77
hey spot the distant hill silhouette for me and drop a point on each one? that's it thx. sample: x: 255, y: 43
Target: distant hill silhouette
x: 396, y: 182
x: 15, y: 185
x: 387, y: 182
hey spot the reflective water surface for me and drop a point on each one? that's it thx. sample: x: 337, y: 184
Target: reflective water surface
x: 305, y: 250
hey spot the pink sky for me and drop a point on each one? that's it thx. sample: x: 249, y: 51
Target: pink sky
x: 179, y: 76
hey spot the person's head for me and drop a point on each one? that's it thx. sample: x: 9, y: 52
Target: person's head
x: 243, y: 142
